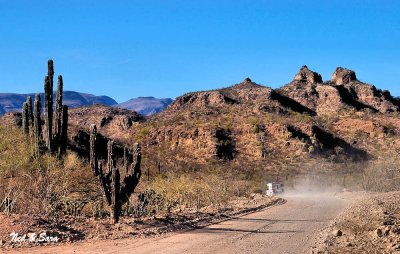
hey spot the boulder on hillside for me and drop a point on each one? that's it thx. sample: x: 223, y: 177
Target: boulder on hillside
x: 343, y: 76
x: 307, y: 76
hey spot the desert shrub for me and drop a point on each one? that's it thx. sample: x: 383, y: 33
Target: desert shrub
x: 381, y: 177
x: 141, y: 134
x: 175, y: 192
x: 15, y: 151
x: 187, y: 191
x: 56, y: 191
x: 299, y: 117
x: 43, y: 185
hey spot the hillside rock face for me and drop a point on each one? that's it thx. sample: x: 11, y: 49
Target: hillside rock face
x: 251, y: 123
x: 330, y: 100
x: 115, y: 123
x: 343, y: 76
x: 376, y: 98
x: 365, y: 96
x: 201, y: 99
x: 308, y: 90
x: 254, y: 126
x: 238, y: 94
x: 245, y: 122
x: 343, y: 92
x: 369, y: 127
x: 305, y: 75
x: 244, y: 94
x: 112, y: 124
x: 198, y: 143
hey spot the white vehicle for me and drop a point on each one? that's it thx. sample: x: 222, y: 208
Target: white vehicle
x: 275, y: 188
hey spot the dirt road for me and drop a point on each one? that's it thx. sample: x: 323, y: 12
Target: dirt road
x: 288, y: 228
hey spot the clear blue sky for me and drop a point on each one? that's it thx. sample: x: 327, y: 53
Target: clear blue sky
x: 164, y: 48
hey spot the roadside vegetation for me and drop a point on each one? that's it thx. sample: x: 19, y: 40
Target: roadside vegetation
x: 53, y: 187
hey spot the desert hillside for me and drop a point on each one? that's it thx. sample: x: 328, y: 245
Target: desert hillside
x: 251, y: 126
x: 304, y: 122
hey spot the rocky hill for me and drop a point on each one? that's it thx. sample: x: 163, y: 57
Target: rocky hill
x: 114, y: 123
x: 342, y: 92
x: 251, y: 126
x: 339, y: 120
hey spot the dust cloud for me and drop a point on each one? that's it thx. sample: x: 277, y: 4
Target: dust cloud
x: 314, y: 186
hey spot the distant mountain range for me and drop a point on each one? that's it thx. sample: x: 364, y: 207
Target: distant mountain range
x: 10, y: 102
x: 146, y: 105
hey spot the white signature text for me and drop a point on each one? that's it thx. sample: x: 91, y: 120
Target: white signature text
x: 33, y: 238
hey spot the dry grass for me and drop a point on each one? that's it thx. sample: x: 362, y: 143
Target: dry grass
x: 195, y: 191
x: 55, y: 188
x: 41, y: 185
x: 15, y: 151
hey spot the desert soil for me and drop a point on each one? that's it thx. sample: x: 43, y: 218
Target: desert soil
x: 370, y: 224
x: 289, y: 228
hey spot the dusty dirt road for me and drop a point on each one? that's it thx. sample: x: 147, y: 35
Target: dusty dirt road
x: 288, y: 228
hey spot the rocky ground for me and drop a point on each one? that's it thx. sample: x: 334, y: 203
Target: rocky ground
x: 72, y: 229
x: 371, y: 224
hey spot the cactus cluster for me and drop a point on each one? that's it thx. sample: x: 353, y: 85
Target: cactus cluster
x: 37, y: 124
x: 25, y: 121
x: 32, y: 122
x: 115, y: 192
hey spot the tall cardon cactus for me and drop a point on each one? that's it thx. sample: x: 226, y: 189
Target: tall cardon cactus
x: 55, y: 141
x: 116, y: 192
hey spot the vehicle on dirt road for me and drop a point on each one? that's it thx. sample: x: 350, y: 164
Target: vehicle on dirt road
x: 275, y: 188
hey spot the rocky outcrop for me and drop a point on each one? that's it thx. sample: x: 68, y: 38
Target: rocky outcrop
x: 362, y: 95
x: 374, y: 98
x: 308, y: 90
x: 305, y: 75
x: 343, y: 76
x: 329, y: 100
x: 244, y: 94
x: 240, y: 93
x: 246, y: 122
x: 343, y: 92
x: 201, y: 100
x: 197, y: 143
x: 248, y: 91
x: 115, y: 123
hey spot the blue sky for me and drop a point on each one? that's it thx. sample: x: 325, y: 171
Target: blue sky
x: 164, y: 48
